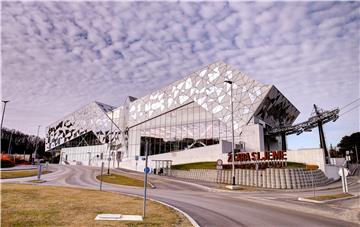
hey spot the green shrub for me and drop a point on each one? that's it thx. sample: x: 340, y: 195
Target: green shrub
x: 6, y: 163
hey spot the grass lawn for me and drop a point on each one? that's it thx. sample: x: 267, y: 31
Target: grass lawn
x: 20, y: 173
x: 196, y: 165
x: 329, y: 197
x: 122, y: 180
x: 34, y: 205
x: 295, y: 165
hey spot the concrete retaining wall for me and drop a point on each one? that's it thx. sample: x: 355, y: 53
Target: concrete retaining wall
x: 268, y: 178
x: 309, y: 156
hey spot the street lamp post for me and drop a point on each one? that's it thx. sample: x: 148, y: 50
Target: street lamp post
x: 111, y: 131
x: 145, y: 175
x: 357, y: 157
x: 2, y: 118
x: 9, y: 147
x: 232, y: 129
x: 36, y: 145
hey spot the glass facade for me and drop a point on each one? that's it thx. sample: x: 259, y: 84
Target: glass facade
x: 186, y: 127
x: 192, y: 112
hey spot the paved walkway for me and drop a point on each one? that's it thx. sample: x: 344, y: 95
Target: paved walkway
x: 19, y: 167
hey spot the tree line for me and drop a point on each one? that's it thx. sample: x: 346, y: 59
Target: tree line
x: 348, y: 143
x: 18, y: 142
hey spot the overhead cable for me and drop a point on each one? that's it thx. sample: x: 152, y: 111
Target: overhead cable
x: 349, y: 110
x: 350, y: 103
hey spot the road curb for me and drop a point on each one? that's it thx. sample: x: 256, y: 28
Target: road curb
x: 191, y: 220
x: 326, y: 201
x: 17, y: 169
x: 301, y: 208
x: 190, y: 183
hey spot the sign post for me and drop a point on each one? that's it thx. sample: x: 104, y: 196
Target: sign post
x: 39, y: 171
x: 357, y: 157
x: 146, y: 170
x: 101, y: 175
x: 343, y: 172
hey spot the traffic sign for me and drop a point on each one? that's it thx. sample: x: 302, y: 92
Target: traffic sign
x: 346, y: 172
x: 146, y: 170
x: 219, y: 164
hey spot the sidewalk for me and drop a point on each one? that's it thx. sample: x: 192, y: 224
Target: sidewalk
x: 212, y: 185
x: 19, y: 167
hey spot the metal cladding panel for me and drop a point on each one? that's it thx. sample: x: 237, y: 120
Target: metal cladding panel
x: 91, y: 117
x: 276, y: 110
x: 118, y: 116
x: 207, y: 88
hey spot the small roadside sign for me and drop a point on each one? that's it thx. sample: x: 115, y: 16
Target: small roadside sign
x: 146, y: 170
x: 343, y: 172
x: 346, y: 172
x: 219, y: 164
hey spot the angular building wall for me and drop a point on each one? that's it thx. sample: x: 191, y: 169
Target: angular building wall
x: 207, y: 88
x: 91, y: 118
x: 189, y: 113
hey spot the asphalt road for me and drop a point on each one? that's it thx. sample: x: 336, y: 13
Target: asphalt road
x: 208, y: 207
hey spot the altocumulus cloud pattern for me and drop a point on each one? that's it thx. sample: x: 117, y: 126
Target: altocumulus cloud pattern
x: 57, y: 57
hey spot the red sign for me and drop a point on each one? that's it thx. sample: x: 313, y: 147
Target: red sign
x: 257, y: 156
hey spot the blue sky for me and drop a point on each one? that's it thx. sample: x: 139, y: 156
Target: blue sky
x: 57, y: 57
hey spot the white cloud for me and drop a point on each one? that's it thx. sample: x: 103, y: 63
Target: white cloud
x: 58, y: 56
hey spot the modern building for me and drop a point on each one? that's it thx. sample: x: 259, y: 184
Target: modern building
x: 189, y: 120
